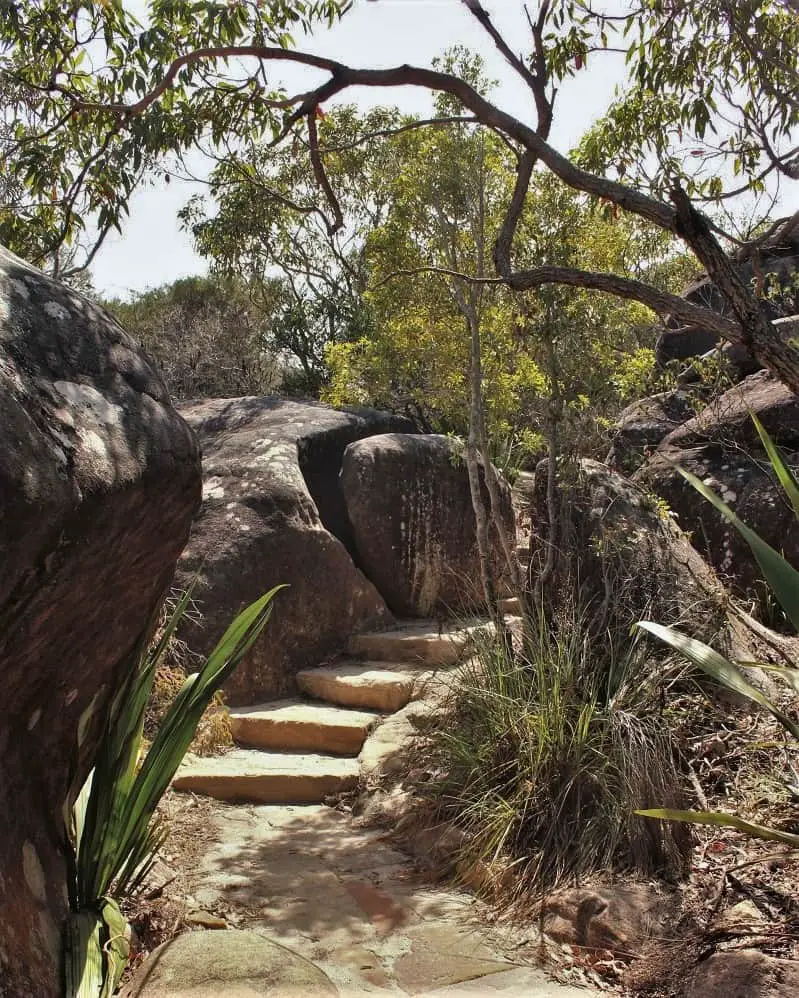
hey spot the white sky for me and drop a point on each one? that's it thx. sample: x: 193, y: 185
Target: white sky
x: 152, y: 250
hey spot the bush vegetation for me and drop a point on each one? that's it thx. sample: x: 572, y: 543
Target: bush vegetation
x: 546, y: 751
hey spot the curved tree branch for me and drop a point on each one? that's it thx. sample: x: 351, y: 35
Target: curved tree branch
x: 661, y: 302
x: 343, y: 77
x: 322, y: 178
x: 752, y: 328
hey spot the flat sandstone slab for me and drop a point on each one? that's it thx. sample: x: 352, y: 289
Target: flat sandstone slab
x: 522, y: 982
x: 249, y: 775
x: 421, y: 641
x: 382, y: 686
x: 295, y: 725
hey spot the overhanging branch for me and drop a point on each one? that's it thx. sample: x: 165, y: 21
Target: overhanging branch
x: 342, y: 77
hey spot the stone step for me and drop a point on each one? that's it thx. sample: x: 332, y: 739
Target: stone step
x: 523, y: 553
x: 418, y: 641
x: 383, y: 686
x: 254, y: 777
x: 295, y: 725
x: 511, y: 606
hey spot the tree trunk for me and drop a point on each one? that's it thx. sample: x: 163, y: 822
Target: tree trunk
x: 759, y: 335
x: 554, y: 417
x: 473, y: 468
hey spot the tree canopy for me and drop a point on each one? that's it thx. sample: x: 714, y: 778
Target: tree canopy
x: 98, y: 100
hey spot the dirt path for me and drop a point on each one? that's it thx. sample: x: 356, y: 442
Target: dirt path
x: 307, y: 877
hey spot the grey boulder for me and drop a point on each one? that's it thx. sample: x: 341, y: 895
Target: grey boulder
x: 721, y: 446
x: 99, y: 480
x: 410, y: 507
x: 273, y: 514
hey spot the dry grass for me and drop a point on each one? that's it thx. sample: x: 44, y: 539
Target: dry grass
x: 545, y: 755
x: 213, y: 732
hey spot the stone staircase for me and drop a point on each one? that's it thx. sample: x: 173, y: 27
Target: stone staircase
x: 300, y: 751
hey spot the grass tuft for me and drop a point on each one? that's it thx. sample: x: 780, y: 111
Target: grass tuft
x: 213, y: 735
x: 544, y: 755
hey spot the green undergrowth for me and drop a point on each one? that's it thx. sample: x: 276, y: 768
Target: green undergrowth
x: 545, y: 753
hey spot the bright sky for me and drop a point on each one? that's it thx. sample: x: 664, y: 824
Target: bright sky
x: 152, y: 250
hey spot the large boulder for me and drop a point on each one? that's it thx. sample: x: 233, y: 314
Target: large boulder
x: 773, y: 275
x: 99, y: 479
x: 273, y: 513
x: 682, y: 343
x: 721, y: 446
x: 235, y: 963
x: 643, y: 424
x: 410, y: 507
x: 622, y: 558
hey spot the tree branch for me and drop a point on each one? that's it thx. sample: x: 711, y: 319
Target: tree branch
x: 322, y: 178
x: 504, y: 240
x: 342, y: 77
x: 384, y: 133
x: 661, y: 302
x: 440, y: 271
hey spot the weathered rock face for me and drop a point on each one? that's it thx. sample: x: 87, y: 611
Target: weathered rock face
x: 99, y: 480
x: 273, y: 513
x: 683, y: 343
x: 410, y: 507
x: 620, y: 918
x: 642, y: 426
x: 721, y: 446
x: 625, y: 559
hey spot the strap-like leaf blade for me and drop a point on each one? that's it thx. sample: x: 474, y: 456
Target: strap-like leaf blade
x: 719, y: 668
x: 723, y: 820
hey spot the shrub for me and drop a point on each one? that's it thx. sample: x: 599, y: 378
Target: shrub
x: 545, y: 754
x: 213, y: 734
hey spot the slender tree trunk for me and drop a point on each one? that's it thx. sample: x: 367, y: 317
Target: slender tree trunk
x: 473, y: 468
x: 508, y: 546
x: 472, y: 305
x: 553, y: 505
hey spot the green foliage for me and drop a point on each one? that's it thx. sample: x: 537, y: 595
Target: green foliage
x: 208, y: 335
x: 544, y: 755
x: 783, y: 580
x: 74, y: 166
x: 111, y: 828
x: 710, y: 94
x: 588, y: 354
x: 265, y: 219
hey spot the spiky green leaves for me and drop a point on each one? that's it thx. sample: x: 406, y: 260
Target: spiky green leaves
x: 113, y: 832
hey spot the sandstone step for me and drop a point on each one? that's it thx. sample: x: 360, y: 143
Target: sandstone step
x: 295, y: 725
x: 383, y: 686
x: 523, y: 553
x: 511, y: 605
x: 421, y: 642
x: 255, y: 777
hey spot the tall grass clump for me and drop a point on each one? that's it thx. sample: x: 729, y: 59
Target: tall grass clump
x: 546, y: 753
